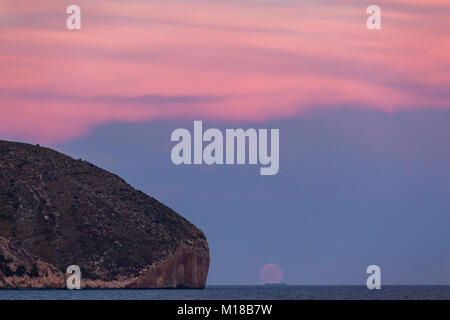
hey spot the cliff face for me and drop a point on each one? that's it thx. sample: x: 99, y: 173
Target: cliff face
x: 56, y: 211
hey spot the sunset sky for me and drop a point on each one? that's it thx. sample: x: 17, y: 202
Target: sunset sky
x: 364, y: 119
x: 225, y: 60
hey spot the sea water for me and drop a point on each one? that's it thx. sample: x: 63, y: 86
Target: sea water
x: 239, y: 293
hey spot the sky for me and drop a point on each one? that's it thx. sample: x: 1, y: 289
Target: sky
x: 363, y: 118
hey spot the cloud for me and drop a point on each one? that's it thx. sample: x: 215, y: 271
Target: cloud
x: 235, y: 60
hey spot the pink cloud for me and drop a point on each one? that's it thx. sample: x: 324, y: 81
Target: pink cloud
x: 239, y: 60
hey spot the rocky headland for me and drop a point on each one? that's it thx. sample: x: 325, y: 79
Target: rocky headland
x: 56, y: 211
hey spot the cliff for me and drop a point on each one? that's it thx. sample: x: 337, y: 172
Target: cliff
x: 56, y: 211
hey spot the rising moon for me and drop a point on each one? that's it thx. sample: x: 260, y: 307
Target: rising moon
x: 270, y: 273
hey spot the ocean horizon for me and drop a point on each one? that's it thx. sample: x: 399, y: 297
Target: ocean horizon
x: 236, y: 292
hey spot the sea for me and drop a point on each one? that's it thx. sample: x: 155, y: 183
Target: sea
x: 286, y: 292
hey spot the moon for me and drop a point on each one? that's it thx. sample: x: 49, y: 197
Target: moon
x: 270, y: 273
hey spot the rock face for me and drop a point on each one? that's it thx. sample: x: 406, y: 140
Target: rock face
x: 56, y: 211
